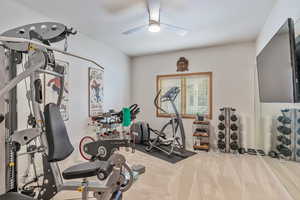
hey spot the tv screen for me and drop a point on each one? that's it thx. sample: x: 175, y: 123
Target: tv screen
x: 276, y: 68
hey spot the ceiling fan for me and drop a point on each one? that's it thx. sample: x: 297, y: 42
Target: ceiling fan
x: 155, y: 25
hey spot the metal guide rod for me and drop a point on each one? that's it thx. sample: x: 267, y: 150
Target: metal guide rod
x: 19, y: 78
x: 22, y: 40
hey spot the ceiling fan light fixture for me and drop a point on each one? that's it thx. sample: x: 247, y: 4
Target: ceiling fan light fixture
x: 154, y: 27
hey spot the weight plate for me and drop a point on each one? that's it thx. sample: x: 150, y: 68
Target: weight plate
x: 221, y: 117
x: 284, y: 130
x: 234, y: 146
x: 234, y: 136
x: 221, y: 126
x: 233, y: 127
x: 234, y: 118
x: 221, y: 135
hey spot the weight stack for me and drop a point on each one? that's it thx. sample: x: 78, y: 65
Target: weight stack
x: 285, y: 134
x: 228, y: 131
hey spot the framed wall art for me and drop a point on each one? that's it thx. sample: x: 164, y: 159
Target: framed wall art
x: 96, y: 95
x: 52, y: 86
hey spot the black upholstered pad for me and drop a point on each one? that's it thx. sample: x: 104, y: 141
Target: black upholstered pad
x: 59, y: 145
x: 14, y: 196
x: 85, y: 170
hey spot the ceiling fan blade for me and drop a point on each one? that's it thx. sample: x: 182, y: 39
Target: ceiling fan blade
x: 176, y: 29
x: 135, y: 30
x: 154, y: 9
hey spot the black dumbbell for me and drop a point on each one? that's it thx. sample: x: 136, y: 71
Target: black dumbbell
x: 285, y: 110
x: 221, y: 126
x: 1, y: 118
x: 298, y: 131
x: 221, y: 144
x: 273, y: 154
x: 234, y: 146
x: 201, y: 130
x: 284, y: 119
x: 221, y: 117
x: 298, y: 153
x: 242, y: 150
x: 233, y: 118
x: 234, y: 136
x: 252, y: 152
x: 284, y: 130
x: 233, y: 127
x: 221, y: 135
x: 298, y: 120
x: 284, y: 150
x: 298, y: 142
x: 284, y: 140
x: 261, y: 152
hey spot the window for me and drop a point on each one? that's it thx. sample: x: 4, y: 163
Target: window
x: 195, y: 95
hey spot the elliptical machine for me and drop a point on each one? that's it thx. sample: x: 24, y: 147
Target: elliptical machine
x: 176, y: 143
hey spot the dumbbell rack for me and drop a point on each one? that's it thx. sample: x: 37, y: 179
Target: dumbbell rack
x: 201, y: 135
x: 288, y: 134
x: 228, y: 131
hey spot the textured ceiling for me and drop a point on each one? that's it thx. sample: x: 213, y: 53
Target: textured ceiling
x: 210, y: 22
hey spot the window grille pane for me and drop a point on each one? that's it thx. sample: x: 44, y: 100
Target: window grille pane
x: 197, y: 95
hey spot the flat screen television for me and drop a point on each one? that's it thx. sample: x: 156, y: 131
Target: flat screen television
x: 277, y: 68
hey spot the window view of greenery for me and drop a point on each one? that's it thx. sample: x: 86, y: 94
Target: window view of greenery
x: 194, y: 97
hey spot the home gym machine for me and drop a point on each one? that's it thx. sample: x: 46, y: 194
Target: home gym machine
x: 111, y: 133
x: 162, y: 140
x: 29, y: 46
x: 114, y: 134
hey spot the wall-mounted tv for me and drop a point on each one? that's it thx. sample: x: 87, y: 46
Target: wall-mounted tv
x: 277, y: 69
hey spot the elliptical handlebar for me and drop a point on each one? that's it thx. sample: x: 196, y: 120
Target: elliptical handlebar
x: 170, y: 95
x: 156, y: 102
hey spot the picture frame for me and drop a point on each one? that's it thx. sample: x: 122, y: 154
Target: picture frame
x: 51, y: 90
x: 96, y: 91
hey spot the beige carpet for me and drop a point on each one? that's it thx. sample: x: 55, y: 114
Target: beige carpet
x: 205, y: 176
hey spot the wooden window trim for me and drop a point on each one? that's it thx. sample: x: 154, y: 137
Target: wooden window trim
x: 183, y: 99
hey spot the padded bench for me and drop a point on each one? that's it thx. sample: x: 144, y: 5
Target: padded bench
x: 14, y: 196
x: 88, y: 169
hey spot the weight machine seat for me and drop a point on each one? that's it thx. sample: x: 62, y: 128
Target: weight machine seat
x: 85, y: 170
x: 14, y: 196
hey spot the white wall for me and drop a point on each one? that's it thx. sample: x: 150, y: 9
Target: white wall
x: 232, y: 66
x: 116, y: 75
x: 265, y: 113
x: 282, y: 10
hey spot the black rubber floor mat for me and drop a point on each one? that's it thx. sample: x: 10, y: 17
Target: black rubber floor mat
x: 161, y: 155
